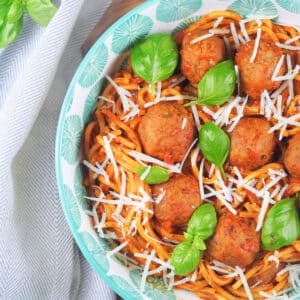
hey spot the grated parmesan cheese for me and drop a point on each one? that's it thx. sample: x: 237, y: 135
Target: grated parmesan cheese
x: 98, y: 169
x: 292, y: 40
x: 196, y: 116
x: 110, y: 156
x: 202, y: 37
x: 218, y: 21
x: 274, y: 258
x: 184, y: 120
x: 278, y: 66
x: 287, y: 47
x: 256, y: 45
x: 145, y: 173
x: 243, y: 29
x: 219, y: 31
x: 117, y: 249
x: 235, y: 35
x: 244, y: 281
x: 187, y: 153
x: 150, y: 159
x: 263, y: 211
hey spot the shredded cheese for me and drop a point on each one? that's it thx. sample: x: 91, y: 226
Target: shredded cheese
x: 263, y: 211
x: 196, y: 116
x: 110, y: 156
x: 287, y: 47
x: 150, y: 159
x: 98, y: 169
x: 292, y: 40
x: 145, y: 173
x: 235, y: 35
x: 244, y: 281
x: 278, y: 66
x: 202, y: 37
x: 187, y: 153
x: 274, y: 258
x: 243, y: 29
x: 117, y: 249
x: 219, y: 31
x: 184, y: 120
x: 218, y: 21
x: 256, y: 45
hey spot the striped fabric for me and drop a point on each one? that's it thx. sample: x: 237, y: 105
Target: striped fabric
x: 38, y: 257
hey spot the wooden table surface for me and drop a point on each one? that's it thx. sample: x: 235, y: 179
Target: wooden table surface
x: 117, y: 9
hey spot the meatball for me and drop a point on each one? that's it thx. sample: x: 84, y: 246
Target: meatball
x: 167, y: 131
x: 235, y: 241
x: 199, y: 57
x: 292, y: 156
x: 251, y: 144
x: 257, y: 76
x: 182, y: 197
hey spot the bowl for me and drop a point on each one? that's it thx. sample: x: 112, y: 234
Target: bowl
x: 105, y: 57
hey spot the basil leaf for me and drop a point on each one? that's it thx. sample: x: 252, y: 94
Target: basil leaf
x: 15, y: 11
x: 218, y: 84
x: 214, y: 144
x: 155, y: 58
x: 282, y: 225
x: 155, y: 176
x: 8, y: 31
x: 41, y: 11
x: 203, y: 222
x: 185, y: 258
x: 199, y: 243
x: 3, y: 2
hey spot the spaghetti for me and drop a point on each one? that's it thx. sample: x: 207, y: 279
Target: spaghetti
x: 123, y: 202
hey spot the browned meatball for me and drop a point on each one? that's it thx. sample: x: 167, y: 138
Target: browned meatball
x: 235, y: 241
x: 292, y: 156
x: 257, y: 76
x: 181, y: 199
x: 199, y: 57
x: 251, y: 144
x: 162, y: 132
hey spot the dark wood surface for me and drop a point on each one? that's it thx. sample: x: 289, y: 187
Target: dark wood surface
x: 117, y: 9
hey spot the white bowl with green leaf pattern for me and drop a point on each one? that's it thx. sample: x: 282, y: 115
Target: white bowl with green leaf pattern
x: 105, y: 57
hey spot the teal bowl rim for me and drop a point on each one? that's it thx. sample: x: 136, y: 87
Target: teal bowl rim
x: 63, y: 112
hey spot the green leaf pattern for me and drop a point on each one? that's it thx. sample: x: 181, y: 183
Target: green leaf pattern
x: 71, y: 139
x: 292, y: 6
x: 94, y: 66
x: 255, y: 8
x: 128, y: 33
x: 170, y: 11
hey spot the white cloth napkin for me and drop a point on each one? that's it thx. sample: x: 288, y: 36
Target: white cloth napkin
x: 38, y: 257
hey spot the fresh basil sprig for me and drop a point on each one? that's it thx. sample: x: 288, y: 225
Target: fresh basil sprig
x: 12, y: 12
x: 217, y: 85
x: 8, y: 31
x: 214, y: 144
x: 186, y: 255
x: 155, y: 58
x: 282, y: 225
x: 156, y: 174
